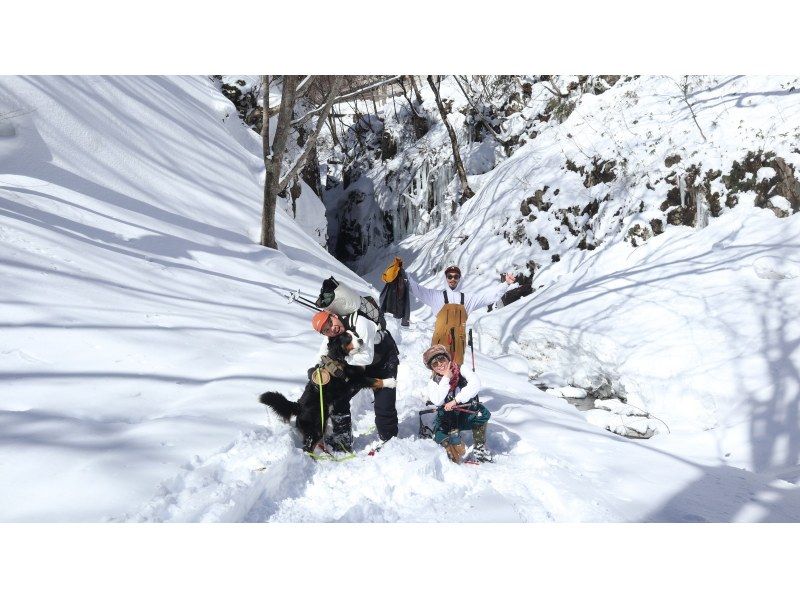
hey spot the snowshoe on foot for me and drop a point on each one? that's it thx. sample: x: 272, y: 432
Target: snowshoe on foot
x: 480, y: 453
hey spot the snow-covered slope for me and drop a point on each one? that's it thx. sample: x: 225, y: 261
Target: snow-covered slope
x: 694, y: 325
x: 141, y: 320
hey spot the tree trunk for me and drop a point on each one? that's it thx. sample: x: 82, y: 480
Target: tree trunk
x: 466, y: 192
x: 416, y: 89
x: 273, y: 157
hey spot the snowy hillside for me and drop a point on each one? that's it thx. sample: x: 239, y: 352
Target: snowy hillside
x: 141, y: 320
x: 692, y: 325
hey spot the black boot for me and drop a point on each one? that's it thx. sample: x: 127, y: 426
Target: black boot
x: 342, y: 437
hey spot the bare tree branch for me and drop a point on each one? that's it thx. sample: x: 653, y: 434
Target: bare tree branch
x: 354, y: 94
x: 555, y: 92
x: 304, y: 86
x: 312, y: 139
x: 685, y: 91
x: 466, y: 191
x: 477, y: 112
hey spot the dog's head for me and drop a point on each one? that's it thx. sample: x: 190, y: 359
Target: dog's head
x: 343, y: 345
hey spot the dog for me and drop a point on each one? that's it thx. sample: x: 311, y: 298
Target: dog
x: 343, y: 382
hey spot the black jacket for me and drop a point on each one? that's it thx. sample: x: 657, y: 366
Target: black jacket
x: 395, y: 299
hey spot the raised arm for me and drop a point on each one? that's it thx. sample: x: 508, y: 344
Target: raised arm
x: 475, y: 301
x: 430, y: 297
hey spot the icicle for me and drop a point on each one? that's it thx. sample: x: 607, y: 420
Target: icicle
x: 701, y: 220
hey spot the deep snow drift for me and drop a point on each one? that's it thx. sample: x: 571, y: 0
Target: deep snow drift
x: 141, y: 320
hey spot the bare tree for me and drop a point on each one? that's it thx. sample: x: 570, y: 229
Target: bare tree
x: 274, y: 181
x: 466, y: 192
x: 294, y: 88
x: 416, y: 89
x: 684, y: 87
x: 478, y: 111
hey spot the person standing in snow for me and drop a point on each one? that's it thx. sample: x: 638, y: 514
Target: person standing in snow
x: 379, y: 357
x: 454, y: 393
x: 452, y: 307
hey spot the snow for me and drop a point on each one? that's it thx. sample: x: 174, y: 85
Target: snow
x: 141, y: 320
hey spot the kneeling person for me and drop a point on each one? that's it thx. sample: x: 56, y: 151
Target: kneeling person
x: 450, y: 390
x: 377, y: 353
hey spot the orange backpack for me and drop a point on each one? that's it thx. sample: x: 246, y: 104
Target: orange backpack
x: 450, y: 329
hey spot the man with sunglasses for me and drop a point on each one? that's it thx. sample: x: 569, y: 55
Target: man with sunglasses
x: 452, y: 307
x: 379, y: 356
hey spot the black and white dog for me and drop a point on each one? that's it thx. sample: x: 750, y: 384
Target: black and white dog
x: 345, y: 382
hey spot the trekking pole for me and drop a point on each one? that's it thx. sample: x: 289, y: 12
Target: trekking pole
x: 295, y: 297
x: 321, y: 405
x: 472, y: 349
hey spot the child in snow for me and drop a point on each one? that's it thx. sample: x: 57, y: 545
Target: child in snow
x: 454, y: 391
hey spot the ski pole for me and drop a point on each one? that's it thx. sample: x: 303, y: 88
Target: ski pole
x: 472, y: 349
x: 295, y: 297
x: 462, y: 410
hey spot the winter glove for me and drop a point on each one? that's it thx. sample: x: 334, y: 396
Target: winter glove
x: 385, y: 383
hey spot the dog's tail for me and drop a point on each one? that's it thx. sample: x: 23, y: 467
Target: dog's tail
x: 279, y: 404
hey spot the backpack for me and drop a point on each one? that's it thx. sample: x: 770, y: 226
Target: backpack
x: 343, y: 301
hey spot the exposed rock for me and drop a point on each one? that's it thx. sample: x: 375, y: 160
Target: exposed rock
x: 420, y: 125
x: 638, y: 234
x: 782, y: 183
x: 657, y: 226
x: 602, y: 171
x: 388, y: 146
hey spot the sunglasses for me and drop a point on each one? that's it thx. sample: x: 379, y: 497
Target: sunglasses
x: 438, y: 360
x: 327, y: 326
x: 453, y: 276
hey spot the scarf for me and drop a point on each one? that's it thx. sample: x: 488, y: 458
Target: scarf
x: 455, y: 374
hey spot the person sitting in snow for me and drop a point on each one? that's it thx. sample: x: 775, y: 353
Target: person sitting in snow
x: 454, y: 393
x: 379, y: 357
x: 452, y: 307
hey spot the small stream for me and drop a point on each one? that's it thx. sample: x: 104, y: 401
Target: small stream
x: 607, y: 409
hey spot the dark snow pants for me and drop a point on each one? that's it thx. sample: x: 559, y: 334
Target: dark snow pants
x: 387, y: 359
x: 447, y: 421
x: 384, y: 365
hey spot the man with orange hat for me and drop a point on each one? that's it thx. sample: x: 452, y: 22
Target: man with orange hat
x: 379, y: 356
x: 452, y: 307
